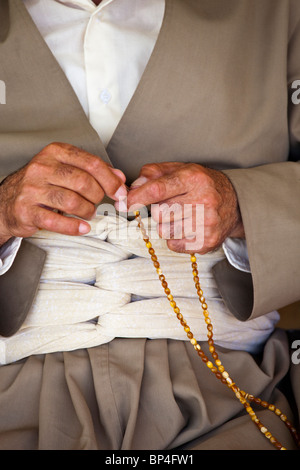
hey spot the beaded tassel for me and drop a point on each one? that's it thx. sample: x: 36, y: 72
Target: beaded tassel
x: 216, y: 368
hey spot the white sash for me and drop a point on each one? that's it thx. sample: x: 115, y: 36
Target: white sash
x: 97, y: 287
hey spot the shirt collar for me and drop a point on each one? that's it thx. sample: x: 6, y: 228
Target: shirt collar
x: 84, y: 4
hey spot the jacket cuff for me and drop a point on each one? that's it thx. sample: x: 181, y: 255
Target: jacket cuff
x: 269, y: 203
x: 18, y: 287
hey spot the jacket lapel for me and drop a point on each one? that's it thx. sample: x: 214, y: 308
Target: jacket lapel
x: 41, y: 106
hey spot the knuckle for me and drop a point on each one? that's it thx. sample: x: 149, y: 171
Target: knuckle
x: 56, y: 197
x: 151, y: 169
x: 194, y: 173
x: 53, y: 147
x: 212, y: 240
x: 212, y: 220
x: 157, y: 190
x: 93, y: 164
x: 71, y: 203
x: 91, y: 212
x: 63, y: 170
x: 36, y: 168
x: 19, y: 204
x: 83, y: 182
x: 212, y: 200
x: 38, y: 220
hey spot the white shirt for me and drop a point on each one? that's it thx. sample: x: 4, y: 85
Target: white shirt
x: 103, y: 51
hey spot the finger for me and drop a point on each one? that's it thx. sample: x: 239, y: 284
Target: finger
x: 153, y: 171
x: 156, y: 170
x: 95, y: 166
x: 76, y: 180
x: 176, y: 209
x: 67, y: 201
x: 167, y: 212
x: 179, y: 229
x: 54, y: 222
x: 119, y: 173
x: 186, y: 245
x: 157, y: 191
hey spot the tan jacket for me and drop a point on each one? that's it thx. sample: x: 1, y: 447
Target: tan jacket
x: 217, y: 90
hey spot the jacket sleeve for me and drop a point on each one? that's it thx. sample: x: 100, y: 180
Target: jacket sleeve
x: 269, y: 198
x: 18, y: 287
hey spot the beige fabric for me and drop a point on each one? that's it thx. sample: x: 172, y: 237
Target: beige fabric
x: 220, y: 99
x: 216, y: 92
x: 102, y: 286
x: 139, y: 394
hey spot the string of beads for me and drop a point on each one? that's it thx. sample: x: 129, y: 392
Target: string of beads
x: 216, y: 367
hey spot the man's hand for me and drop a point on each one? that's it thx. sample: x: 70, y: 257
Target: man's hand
x: 203, y: 203
x: 60, y: 179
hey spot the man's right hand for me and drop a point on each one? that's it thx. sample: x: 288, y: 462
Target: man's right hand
x: 60, y: 179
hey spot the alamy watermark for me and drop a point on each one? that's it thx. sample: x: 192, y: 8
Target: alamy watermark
x: 296, y: 95
x: 296, y: 354
x: 2, y: 92
x: 178, y: 222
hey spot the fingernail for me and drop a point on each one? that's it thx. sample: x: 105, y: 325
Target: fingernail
x: 84, y: 228
x: 121, y: 206
x: 121, y: 193
x: 139, y: 182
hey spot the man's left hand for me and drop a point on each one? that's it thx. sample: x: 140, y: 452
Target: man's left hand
x: 175, y: 192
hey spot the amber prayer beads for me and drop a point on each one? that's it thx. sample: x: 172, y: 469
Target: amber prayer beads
x: 215, y: 366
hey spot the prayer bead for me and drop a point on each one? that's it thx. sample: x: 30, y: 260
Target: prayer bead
x: 219, y: 370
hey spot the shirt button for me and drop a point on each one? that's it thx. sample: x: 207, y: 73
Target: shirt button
x: 105, y: 96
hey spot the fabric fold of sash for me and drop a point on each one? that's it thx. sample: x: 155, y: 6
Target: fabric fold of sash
x: 103, y: 285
